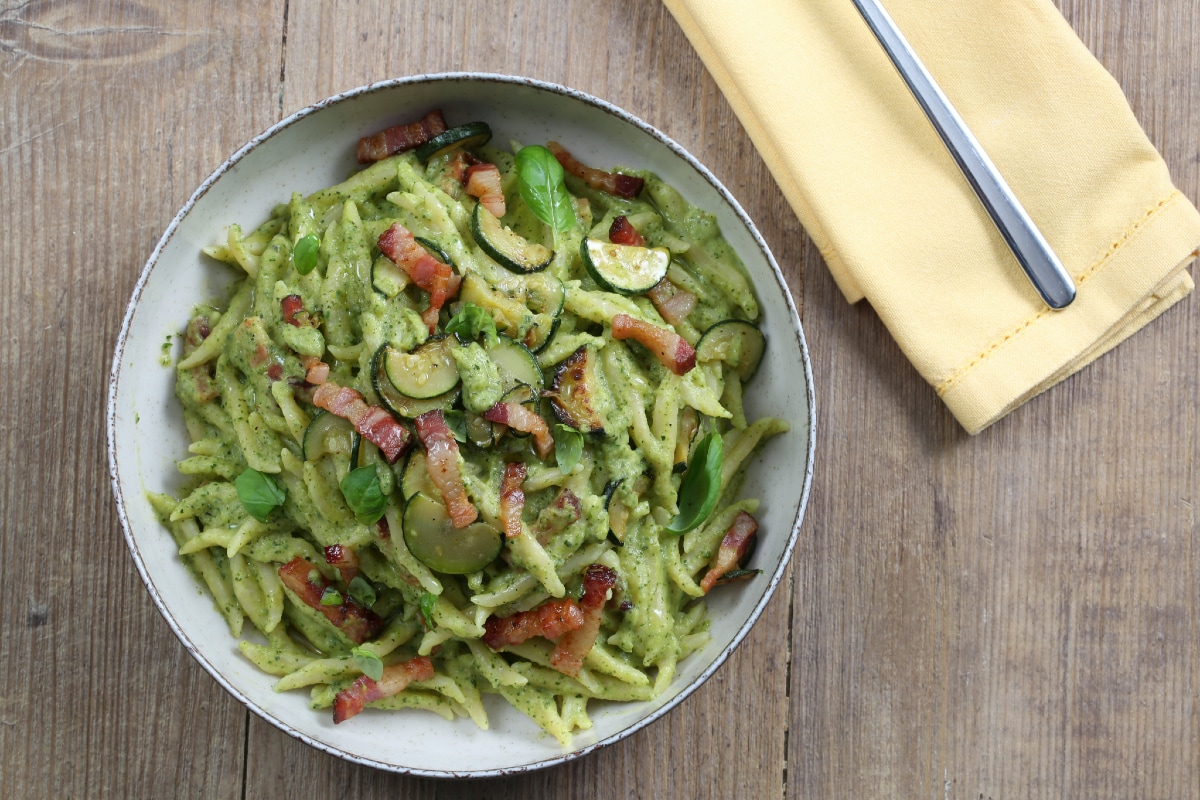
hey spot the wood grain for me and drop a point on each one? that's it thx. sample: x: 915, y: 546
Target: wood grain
x: 1013, y: 615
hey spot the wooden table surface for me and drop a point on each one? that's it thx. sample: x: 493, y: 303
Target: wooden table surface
x: 1011, y: 615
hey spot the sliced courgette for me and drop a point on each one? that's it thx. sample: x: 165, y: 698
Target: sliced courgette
x: 387, y: 278
x: 428, y: 371
x: 573, y: 393
x: 415, y: 477
x: 546, y: 296
x: 624, y: 268
x: 510, y: 250
x: 472, y: 134
x: 397, y: 403
x: 517, y: 365
x: 327, y: 433
x: 436, y: 543
x: 432, y: 248
x: 735, y: 342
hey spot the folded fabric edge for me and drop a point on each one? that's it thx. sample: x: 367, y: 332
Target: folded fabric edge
x: 1118, y: 298
x: 776, y: 165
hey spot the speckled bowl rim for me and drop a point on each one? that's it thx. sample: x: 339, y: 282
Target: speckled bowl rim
x: 679, y: 151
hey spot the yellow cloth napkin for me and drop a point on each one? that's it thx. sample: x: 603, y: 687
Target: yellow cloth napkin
x: 897, y: 223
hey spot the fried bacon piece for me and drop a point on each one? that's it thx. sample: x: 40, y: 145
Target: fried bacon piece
x: 732, y: 550
x: 557, y: 516
x: 672, y: 303
x: 622, y: 232
x: 574, y: 645
x: 343, y: 559
x: 202, y: 378
x: 671, y: 349
x: 316, y: 371
x: 483, y: 181
x: 374, y: 423
x: 611, y: 182
x: 517, y: 416
x: 400, y: 138
x: 395, y: 679
x: 441, y: 461
x: 551, y: 619
x: 399, y: 244
x: 512, y: 498
x: 307, y: 582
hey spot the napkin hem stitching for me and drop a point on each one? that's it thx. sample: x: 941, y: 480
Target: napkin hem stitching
x: 1112, y: 250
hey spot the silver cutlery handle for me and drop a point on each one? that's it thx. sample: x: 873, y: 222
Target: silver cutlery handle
x: 1033, y: 253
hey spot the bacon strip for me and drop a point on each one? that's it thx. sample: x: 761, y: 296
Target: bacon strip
x: 555, y: 518
x: 622, y: 232
x: 611, y: 182
x: 441, y: 461
x: 399, y: 244
x: 732, y: 550
x: 483, y: 181
x: 672, y: 303
x: 400, y: 138
x: 571, y: 649
x: 343, y: 559
x: 517, y: 416
x: 551, y: 619
x: 316, y: 371
x: 671, y: 349
x: 197, y: 331
x: 395, y: 679
x: 512, y: 498
x: 374, y: 423
x: 307, y: 582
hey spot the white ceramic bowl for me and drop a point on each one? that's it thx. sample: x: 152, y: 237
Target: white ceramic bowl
x: 314, y: 148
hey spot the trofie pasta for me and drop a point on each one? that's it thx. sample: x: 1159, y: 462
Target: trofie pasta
x: 471, y: 422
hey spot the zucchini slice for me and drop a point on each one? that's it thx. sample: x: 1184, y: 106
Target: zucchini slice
x: 327, y: 433
x: 397, y: 403
x: 517, y: 365
x: 510, y: 250
x: 415, y: 477
x: 624, y: 268
x: 736, y: 342
x: 426, y: 372
x: 437, y: 544
x: 546, y: 296
x: 432, y: 248
x: 387, y: 278
x: 573, y: 393
x: 472, y: 134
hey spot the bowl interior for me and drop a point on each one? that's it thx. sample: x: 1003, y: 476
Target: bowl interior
x: 313, y: 149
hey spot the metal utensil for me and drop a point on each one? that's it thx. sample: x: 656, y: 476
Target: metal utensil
x: 1037, y: 259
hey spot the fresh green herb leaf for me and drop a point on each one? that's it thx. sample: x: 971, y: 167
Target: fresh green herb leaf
x: 331, y: 597
x: 305, y: 253
x: 364, y: 494
x: 259, y: 493
x: 456, y: 421
x: 368, y: 662
x: 540, y: 180
x: 362, y: 591
x: 568, y: 447
x: 701, y: 485
x: 428, y: 601
x: 471, y: 321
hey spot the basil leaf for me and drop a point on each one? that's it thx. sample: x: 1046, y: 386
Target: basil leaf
x: 362, y: 591
x: 428, y: 601
x: 364, y: 494
x: 304, y: 254
x: 331, y: 597
x: 471, y: 321
x: 259, y: 493
x: 701, y: 485
x: 568, y: 447
x: 368, y: 662
x: 540, y: 180
x: 456, y: 421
